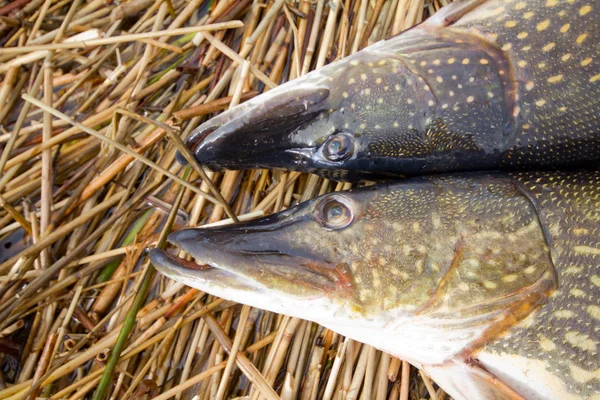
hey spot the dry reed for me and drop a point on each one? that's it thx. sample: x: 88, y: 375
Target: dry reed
x: 95, y: 99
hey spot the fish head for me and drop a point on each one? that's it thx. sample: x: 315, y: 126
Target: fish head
x: 422, y: 261
x: 356, y: 118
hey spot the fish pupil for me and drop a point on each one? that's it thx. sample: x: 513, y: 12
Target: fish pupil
x: 335, y: 146
x: 335, y: 212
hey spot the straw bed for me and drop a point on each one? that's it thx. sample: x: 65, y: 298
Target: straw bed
x: 95, y: 100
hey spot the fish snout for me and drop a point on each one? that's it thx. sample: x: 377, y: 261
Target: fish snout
x: 259, y: 132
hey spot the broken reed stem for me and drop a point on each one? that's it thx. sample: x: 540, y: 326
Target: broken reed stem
x: 123, y: 38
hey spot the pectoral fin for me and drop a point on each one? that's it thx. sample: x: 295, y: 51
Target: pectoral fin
x: 469, y: 381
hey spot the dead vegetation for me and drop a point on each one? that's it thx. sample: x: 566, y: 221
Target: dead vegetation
x: 93, y: 102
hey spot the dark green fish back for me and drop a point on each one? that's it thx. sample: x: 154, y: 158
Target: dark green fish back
x: 553, y: 49
x: 564, y: 335
x: 514, y: 83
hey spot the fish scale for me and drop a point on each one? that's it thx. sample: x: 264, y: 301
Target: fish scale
x: 497, y: 84
x: 564, y: 335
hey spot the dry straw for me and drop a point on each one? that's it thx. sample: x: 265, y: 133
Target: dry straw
x: 95, y: 100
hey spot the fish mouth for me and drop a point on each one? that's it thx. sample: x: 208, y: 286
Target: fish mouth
x: 258, y: 255
x: 258, y: 133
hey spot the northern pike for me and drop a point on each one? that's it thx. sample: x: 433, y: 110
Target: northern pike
x: 481, y: 85
x: 490, y: 282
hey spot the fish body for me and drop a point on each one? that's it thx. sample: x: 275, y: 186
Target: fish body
x: 490, y: 282
x: 482, y: 85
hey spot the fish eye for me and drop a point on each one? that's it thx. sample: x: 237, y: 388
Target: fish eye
x: 338, y: 147
x: 332, y: 213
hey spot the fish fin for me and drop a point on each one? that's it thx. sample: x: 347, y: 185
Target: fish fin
x: 451, y: 13
x: 468, y: 380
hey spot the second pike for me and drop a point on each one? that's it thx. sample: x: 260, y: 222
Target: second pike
x: 489, y: 282
x: 481, y: 85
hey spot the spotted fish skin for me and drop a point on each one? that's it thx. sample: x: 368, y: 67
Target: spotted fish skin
x: 488, y: 281
x: 509, y: 85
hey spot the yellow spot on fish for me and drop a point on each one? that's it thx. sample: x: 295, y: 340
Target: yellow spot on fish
x: 510, y: 278
x: 565, y: 28
x: 396, y: 124
x: 382, y: 62
x: 345, y: 94
x: 436, y: 62
x: 577, y: 292
x: 564, y: 314
x: 378, y: 81
x: 582, y: 376
x: 367, y: 91
x: 541, y: 65
x: 506, y: 46
x: 363, y: 77
x: 594, y: 311
x: 586, y: 62
x: 551, y: 3
x: 444, y: 106
x: 354, y: 63
x: 543, y: 25
x: 351, y: 81
x: 529, y: 85
x: 465, y: 61
x: 584, y: 10
x: 380, y: 100
x: 546, y: 344
x: 451, y: 93
x: 566, y: 57
x: 587, y: 249
x: 490, y: 94
x: 595, y: 280
x: 540, y: 103
x: 439, y: 79
x: 490, y: 284
x: 520, y: 5
x: 423, y: 63
x: 549, y: 46
x: 522, y: 63
x: 397, y: 87
x: 409, y: 101
x: 594, y: 78
x: 484, y: 61
x: 528, y: 14
x: 573, y: 269
x: 522, y: 35
x: 581, y: 38
x: 581, y: 340
x: 451, y: 60
x: 470, y: 99
x: 580, y: 232
x: 530, y: 269
x: 510, y: 24
x: 555, y: 78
